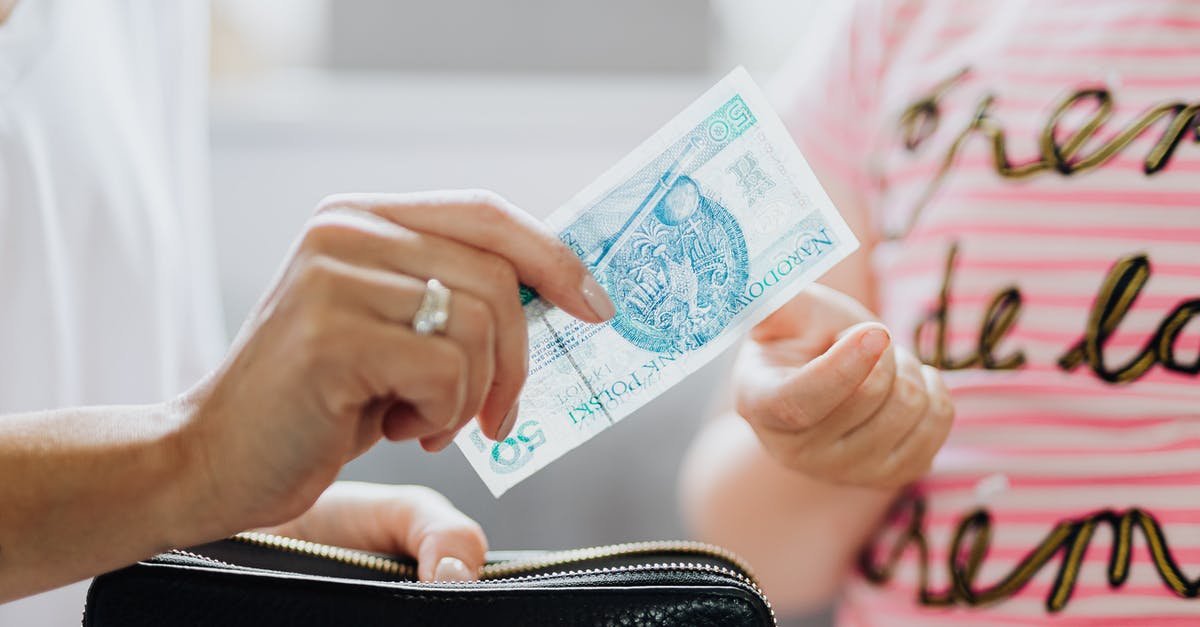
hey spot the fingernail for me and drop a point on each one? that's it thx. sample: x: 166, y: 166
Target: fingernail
x: 596, y: 298
x: 451, y: 569
x: 510, y: 420
x: 874, y: 341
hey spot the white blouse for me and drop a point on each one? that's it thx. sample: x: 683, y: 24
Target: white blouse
x: 108, y: 290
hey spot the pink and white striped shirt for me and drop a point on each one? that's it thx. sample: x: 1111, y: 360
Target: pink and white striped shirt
x: 1031, y: 172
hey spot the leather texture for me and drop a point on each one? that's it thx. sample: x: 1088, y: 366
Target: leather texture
x: 144, y: 595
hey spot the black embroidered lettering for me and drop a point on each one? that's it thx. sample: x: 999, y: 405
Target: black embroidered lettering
x: 999, y: 318
x: 1001, y: 315
x: 1168, y: 334
x: 1071, y: 537
x: 920, y: 120
x: 1117, y: 295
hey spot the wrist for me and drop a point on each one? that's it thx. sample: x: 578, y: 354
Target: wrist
x: 193, y: 511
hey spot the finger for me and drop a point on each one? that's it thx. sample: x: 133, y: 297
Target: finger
x: 817, y: 312
x: 471, y: 326
x: 488, y: 277
x: 395, y: 299
x: 448, y: 545
x: 488, y: 222
x: 429, y: 374
x: 370, y: 426
x: 916, y: 452
x: 799, y: 398
x: 401, y: 520
x: 874, y: 443
x: 866, y: 401
x: 494, y: 281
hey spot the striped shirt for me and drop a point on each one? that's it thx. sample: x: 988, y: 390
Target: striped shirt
x: 1031, y: 175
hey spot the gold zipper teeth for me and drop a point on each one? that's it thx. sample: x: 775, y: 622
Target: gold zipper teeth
x: 361, y: 559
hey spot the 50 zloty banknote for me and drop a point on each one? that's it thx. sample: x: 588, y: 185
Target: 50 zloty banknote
x: 701, y: 232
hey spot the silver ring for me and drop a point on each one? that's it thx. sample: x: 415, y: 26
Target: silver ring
x: 434, y: 312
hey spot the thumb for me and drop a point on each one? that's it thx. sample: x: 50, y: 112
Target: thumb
x: 448, y: 545
x: 450, y: 555
x: 818, y: 310
x: 794, y: 398
x: 396, y: 519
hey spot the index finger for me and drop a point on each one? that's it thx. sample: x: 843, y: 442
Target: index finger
x: 486, y: 221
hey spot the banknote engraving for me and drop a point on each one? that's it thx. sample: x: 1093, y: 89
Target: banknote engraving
x: 680, y: 273
x: 753, y: 180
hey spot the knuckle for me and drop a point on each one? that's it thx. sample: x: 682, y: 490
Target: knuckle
x: 492, y: 206
x: 332, y: 202
x: 477, y: 319
x: 312, y: 348
x: 798, y: 416
x: 943, y: 409
x: 474, y: 312
x: 788, y: 412
x: 911, y: 396
x: 838, y: 460
x: 939, y: 431
x: 845, y: 372
x: 878, y: 384
x: 889, y: 474
x: 321, y: 236
x: 446, y: 366
x: 501, y: 275
x: 913, y: 461
x: 451, y: 526
x: 318, y: 274
x: 467, y: 532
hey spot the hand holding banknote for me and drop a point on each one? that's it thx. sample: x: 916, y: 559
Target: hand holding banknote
x: 396, y: 316
x: 829, y: 396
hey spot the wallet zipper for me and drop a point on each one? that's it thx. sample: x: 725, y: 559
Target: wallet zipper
x: 519, y: 569
x: 500, y: 570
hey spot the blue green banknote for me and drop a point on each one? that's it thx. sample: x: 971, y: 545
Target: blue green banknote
x: 698, y: 234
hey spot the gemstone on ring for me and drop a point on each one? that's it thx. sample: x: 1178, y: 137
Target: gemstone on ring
x: 434, y: 311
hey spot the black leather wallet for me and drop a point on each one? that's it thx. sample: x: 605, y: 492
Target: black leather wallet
x: 259, y: 580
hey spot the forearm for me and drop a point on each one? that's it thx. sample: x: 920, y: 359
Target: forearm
x: 800, y: 535
x: 87, y: 490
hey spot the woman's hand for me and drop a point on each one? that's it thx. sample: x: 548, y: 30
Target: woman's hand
x: 829, y: 396
x: 398, y: 520
x: 329, y: 362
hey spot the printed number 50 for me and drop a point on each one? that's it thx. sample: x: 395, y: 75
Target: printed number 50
x: 514, y: 451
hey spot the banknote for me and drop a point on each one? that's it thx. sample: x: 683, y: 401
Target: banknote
x: 698, y: 234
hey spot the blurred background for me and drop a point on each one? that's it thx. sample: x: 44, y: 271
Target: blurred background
x: 531, y: 98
